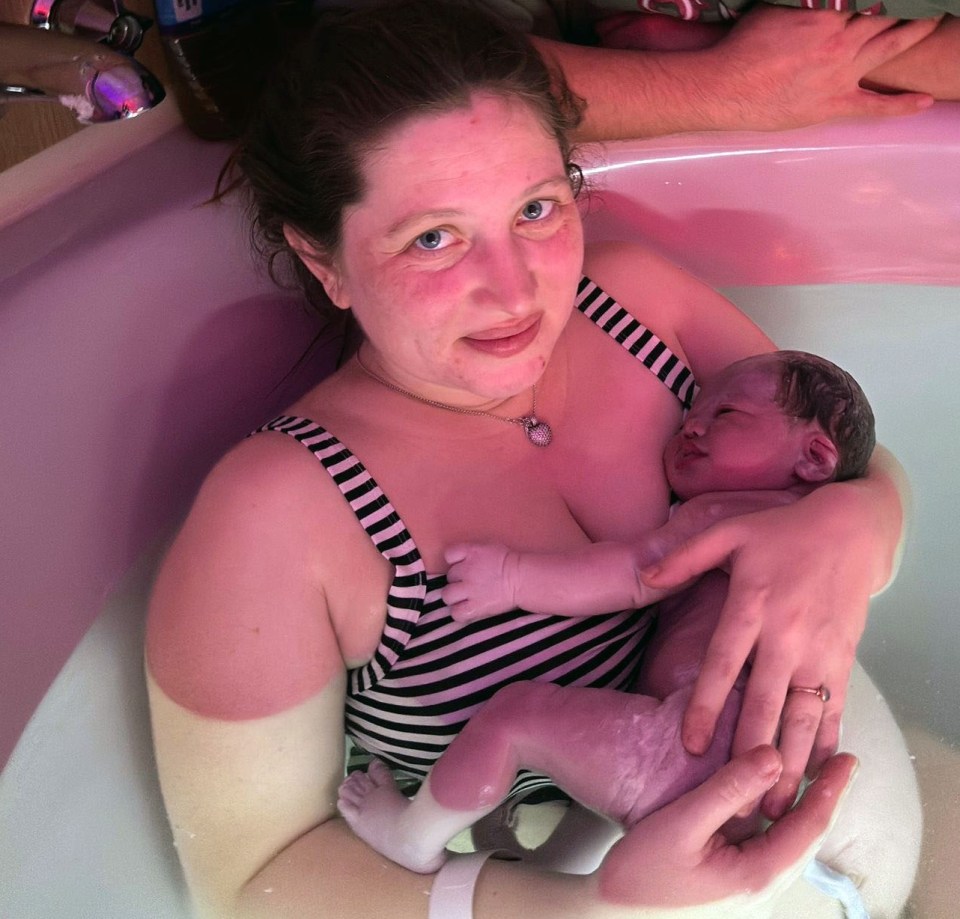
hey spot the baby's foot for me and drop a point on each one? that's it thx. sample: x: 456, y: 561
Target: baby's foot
x: 376, y: 809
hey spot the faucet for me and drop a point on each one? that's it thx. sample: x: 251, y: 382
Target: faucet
x: 99, y: 20
x: 77, y: 53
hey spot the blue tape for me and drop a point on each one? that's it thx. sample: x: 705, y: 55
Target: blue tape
x: 836, y: 885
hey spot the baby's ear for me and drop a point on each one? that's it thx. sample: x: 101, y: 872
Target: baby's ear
x: 818, y: 462
x: 322, y: 266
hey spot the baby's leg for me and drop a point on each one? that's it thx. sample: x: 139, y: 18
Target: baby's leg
x: 617, y: 753
x: 685, y: 626
x: 467, y: 782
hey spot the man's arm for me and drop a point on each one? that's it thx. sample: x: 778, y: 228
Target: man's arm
x: 777, y: 68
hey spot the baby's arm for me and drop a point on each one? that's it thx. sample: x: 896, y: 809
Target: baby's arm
x: 701, y: 512
x: 485, y: 579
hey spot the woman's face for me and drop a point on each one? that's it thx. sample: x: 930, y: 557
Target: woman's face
x: 461, y: 261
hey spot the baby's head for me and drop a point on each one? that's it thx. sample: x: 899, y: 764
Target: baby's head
x: 772, y: 421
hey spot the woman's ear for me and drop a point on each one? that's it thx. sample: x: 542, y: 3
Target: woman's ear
x: 819, y: 459
x: 322, y: 266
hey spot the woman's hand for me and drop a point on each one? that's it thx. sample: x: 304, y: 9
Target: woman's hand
x: 703, y: 511
x: 678, y: 857
x: 800, y: 582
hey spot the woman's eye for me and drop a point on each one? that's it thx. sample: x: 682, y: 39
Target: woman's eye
x: 433, y: 240
x: 537, y: 210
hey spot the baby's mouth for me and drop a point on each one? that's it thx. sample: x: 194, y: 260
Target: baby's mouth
x: 687, y: 453
x: 690, y: 449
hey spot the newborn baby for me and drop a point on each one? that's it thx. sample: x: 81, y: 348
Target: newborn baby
x: 763, y: 432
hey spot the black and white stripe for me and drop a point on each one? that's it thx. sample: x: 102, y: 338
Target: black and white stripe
x: 603, y: 310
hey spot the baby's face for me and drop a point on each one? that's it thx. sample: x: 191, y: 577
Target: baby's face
x: 735, y: 436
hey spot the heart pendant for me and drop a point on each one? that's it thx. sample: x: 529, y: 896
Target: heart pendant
x: 538, y: 432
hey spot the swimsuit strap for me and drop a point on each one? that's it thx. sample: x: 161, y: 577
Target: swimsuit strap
x: 637, y: 339
x: 386, y: 530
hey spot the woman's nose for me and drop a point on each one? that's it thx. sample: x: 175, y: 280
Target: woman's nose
x: 507, y: 279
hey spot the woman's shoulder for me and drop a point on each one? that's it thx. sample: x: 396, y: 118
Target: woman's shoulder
x: 279, y: 462
x: 274, y: 486
x: 617, y: 252
x: 269, y: 470
x: 648, y: 286
x: 628, y: 270
x: 243, y: 613
x: 696, y: 322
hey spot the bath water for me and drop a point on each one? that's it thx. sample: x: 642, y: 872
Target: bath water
x: 897, y: 341
x: 901, y: 345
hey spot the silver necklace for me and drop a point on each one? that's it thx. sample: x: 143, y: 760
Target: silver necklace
x: 538, y: 432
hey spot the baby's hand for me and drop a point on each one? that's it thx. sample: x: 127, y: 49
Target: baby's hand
x: 480, y: 581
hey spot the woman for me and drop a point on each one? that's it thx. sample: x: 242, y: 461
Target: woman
x: 416, y: 164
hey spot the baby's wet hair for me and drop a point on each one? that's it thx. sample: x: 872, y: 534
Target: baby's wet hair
x: 811, y: 388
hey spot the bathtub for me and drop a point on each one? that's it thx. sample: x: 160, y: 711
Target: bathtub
x: 138, y: 341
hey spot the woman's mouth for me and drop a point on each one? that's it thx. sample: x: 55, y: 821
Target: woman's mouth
x: 505, y: 342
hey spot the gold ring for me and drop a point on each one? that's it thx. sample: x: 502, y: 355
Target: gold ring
x: 821, y: 691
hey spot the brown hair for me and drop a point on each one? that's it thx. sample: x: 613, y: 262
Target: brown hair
x: 358, y: 75
x: 812, y: 388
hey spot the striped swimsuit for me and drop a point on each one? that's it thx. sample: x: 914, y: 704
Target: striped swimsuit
x: 429, y: 673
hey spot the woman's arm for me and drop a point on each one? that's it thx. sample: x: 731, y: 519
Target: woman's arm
x: 245, y: 675
x: 246, y: 662
x: 250, y: 624
x: 801, y: 576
